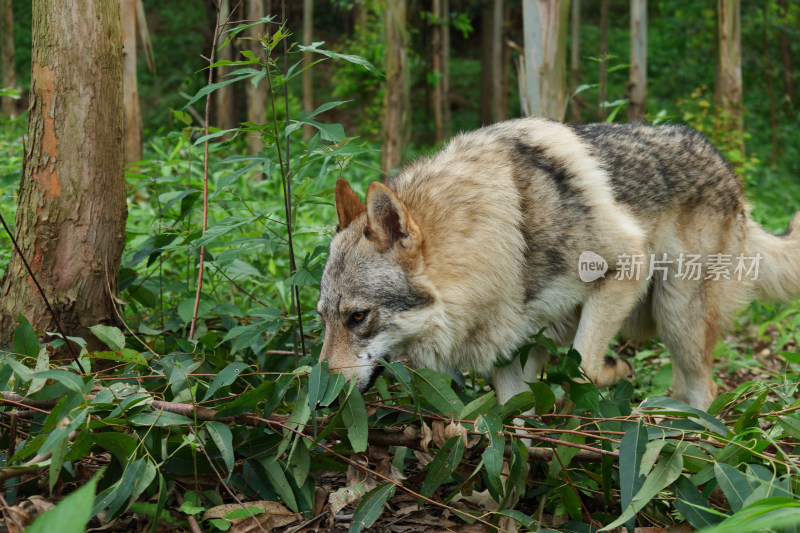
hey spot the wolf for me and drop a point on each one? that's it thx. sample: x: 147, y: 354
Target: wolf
x: 460, y: 258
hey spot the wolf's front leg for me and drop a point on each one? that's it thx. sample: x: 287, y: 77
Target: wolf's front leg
x: 603, y: 313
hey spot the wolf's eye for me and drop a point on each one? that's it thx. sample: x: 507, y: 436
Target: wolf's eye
x: 357, y: 318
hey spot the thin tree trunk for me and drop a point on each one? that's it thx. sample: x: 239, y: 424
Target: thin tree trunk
x: 545, y: 28
x: 771, y: 89
x: 446, y: 69
x: 602, y: 83
x: 486, y: 96
x: 729, y: 80
x: 785, y: 44
x: 436, y: 52
x: 70, y: 221
x: 133, y: 114
x: 498, y: 112
x: 637, y: 80
x: 8, y: 78
x: 397, y: 92
x: 256, y: 96
x: 223, y: 97
x: 308, y: 90
x: 575, y: 60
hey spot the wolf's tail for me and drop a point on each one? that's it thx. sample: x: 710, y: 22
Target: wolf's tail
x: 779, y: 265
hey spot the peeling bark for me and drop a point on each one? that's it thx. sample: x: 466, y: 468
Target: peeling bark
x: 70, y: 221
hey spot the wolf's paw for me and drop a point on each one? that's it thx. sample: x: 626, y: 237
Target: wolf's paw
x: 613, y: 371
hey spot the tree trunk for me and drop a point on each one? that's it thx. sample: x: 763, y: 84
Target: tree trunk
x: 575, y: 61
x: 545, y: 28
x: 773, y: 119
x: 308, y: 91
x: 133, y: 115
x: 637, y: 80
x: 436, y: 60
x: 446, y: 129
x: 70, y: 221
x: 729, y: 80
x: 397, y: 93
x: 486, y: 97
x: 256, y: 96
x: 223, y: 97
x: 602, y: 84
x: 785, y: 43
x: 8, y: 76
x: 498, y: 112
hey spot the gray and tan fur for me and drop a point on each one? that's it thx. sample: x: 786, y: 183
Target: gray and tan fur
x: 455, y: 262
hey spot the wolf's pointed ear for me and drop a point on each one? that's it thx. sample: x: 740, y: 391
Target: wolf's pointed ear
x: 388, y: 219
x: 348, y: 205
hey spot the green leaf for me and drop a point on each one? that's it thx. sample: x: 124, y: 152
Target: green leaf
x: 664, y: 474
x: 160, y: 419
x: 765, y: 515
x: 664, y: 405
x: 585, y: 395
x: 68, y: 379
x: 277, y: 479
x: 222, y: 437
x: 25, y: 341
x: 371, y: 507
x: 248, y: 400
x: 71, y: 515
x: 443, y: 465
x: 42, y: 364
x: 733, y: 484
x: 491, y: 425
x: 225, y: 377
x: 317, y: 383
x: 631, y: 451
x: 335, y: 384
x: 435, y: 388
x: 110, y: 335
x: 521, y: 518
x: 315, y: 47
x: 354, y: 416
x: 58, y: 452
x: 519, y: 403
x: 120, y: 445
x: 214, y: 86
x: 691, y: 504
x: 125, y: 355
x: 478, y: 406
x: 23, y: 372
x: 545, y: 398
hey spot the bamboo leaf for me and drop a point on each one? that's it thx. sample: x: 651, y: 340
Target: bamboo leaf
x: 435, y: 388
x: 277, y: 479
x: 25, y: 340
x: 225, y: 377
x: 733, y: 484
x: 223, y: 438
x: 72, y: 381
x: 479, y: 406
x: 765, y: 515
x: 691, y: 504
x: 371, y: 507
x: 443, y: 465
x: 354, y: 416
x: 110, y: 335
x: 71, y: 515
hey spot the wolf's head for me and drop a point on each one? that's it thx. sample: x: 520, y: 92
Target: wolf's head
x: 373, y: 283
